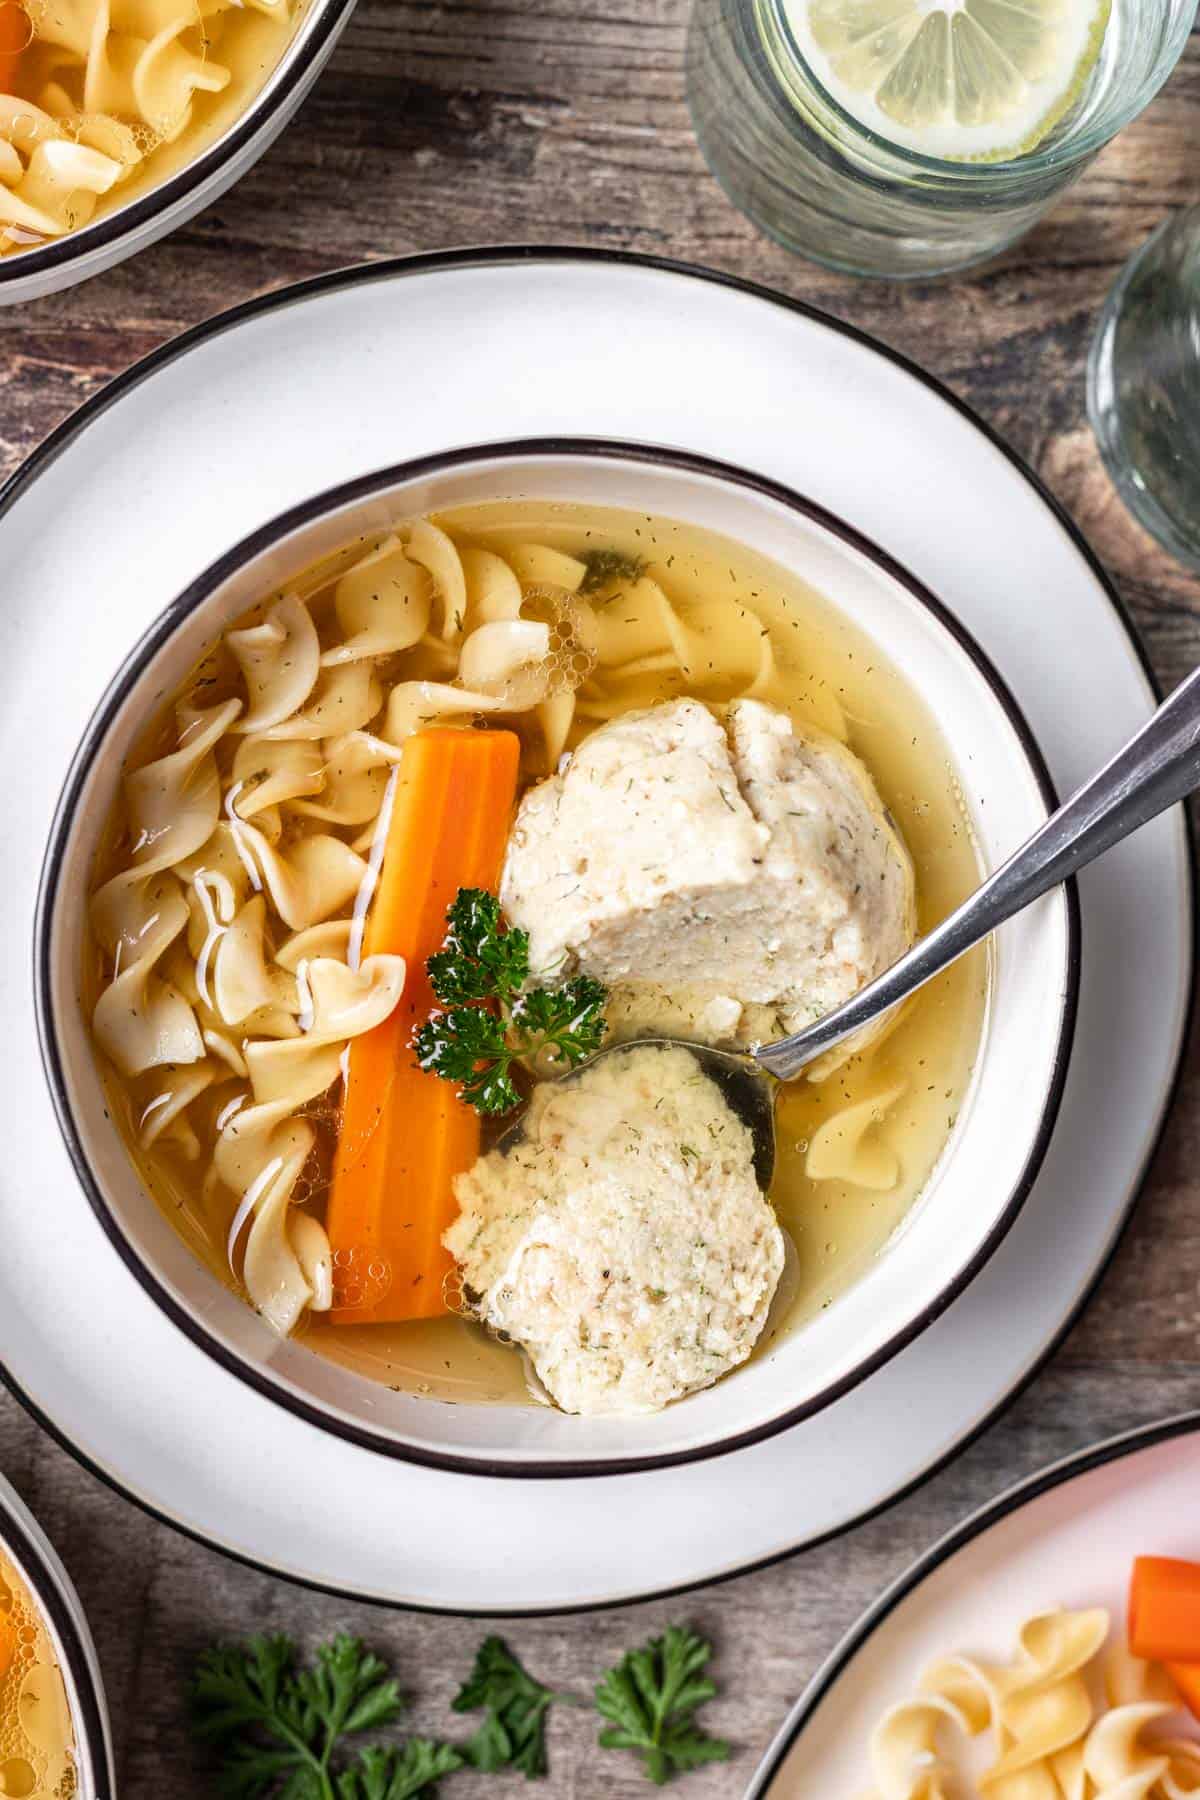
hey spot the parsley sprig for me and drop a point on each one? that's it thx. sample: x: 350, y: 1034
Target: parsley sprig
x: 399, y: 1774
x: 485, y: 1022
x: 278, y: 1728
x: 651, y: 1697
x: 513, y: 1735
x: 478, y: 960
x: 279, y: 1731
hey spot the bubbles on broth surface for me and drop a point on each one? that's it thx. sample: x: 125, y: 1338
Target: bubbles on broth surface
x: 360, y: 1278
x: 37, y: 1746
x: 570, y: 660
x: 454, y: 1294
x: 18, y: 24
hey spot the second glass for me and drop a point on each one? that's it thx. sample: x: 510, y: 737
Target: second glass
x: 827, y: 186
x: 1144, y: 385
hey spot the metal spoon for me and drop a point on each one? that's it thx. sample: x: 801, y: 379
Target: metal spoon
x: 1157, y: 767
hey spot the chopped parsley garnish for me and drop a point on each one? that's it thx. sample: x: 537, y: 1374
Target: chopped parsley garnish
x: 485, y: 1022
x: 651, y: 1698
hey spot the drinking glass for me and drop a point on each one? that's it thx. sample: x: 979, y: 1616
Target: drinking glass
x: 1144, y: 385
x: 829, y: 187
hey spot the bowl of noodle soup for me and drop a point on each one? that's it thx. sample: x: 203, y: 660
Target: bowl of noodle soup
x: 55, y: 1738
x: 216, y: 853
x: 121, y: 119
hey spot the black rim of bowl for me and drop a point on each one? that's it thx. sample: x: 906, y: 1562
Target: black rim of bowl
x: 45, y: 1586
x: 111, y: 227
x: 504, y: 456
x: 1013, y: 1500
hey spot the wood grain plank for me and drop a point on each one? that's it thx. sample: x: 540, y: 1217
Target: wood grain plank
x: 483, y: 121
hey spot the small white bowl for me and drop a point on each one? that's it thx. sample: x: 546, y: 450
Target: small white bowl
x: 121, y: 231
x: 30, y: 1550
x: 1002, y: 1130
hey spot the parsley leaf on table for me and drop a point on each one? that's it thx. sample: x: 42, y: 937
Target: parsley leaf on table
x: 651, y: 1697
x: 279, y: 1731
x: 513, y: 1735
x: 398, y: 1774
x: 276, y: 1728
x: 485, y: 1023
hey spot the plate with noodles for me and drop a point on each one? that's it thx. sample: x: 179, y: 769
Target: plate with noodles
x: 1046, y: 1649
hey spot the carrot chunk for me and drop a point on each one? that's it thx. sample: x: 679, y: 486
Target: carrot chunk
x: 1186, y: 1677
x: 1164, y: 1609
x: 405, y: 1133
x: 14, y: 36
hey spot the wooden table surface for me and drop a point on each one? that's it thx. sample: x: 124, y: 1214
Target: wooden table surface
x: 563, y: 121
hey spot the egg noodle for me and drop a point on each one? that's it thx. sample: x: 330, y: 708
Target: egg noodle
x: 1066, y: 1719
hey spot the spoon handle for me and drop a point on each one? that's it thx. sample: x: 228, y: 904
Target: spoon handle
x: 1157, y: 767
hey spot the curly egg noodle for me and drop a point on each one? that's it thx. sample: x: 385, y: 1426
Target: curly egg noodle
x: 236, y: 878
x: 102, y: 87
x: 1067, y: 1719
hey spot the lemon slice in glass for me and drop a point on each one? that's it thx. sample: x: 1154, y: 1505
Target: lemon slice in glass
x: 965, y: 80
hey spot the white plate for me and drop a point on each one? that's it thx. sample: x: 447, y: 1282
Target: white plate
x: 1066, y: 1537
x: 257, y: 410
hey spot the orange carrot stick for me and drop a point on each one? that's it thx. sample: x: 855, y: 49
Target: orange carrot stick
x: 1186, y: 1677
x: 14, y: 36
x: 8, y: 1645
x: 1164, y: 1609
x: 405, y: 1133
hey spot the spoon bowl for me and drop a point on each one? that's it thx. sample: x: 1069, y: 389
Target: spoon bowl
x: 748, y: 1092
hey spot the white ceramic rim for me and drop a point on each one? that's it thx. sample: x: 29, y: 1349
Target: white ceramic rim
x: 497, y: 466
x: 161, y: 208
x: 992, y: 1512
x: 679, y: 280
x: 23, y: 1539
